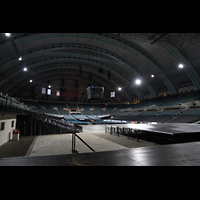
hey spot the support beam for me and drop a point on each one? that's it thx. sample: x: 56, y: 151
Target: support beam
x: 159, y: 38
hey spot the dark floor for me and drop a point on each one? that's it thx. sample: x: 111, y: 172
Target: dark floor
x: 186, y: 154
x: 16, y: 148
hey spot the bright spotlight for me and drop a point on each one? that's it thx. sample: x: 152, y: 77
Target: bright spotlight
x: 138, y: 81
x: 7, y: 34
x: 152, y: 76
x: 49, y: 86
x: 31, y: 81
x: 180, y: 66
x: 20, y: 58
x: 25, y: 69
x: 119, y: 88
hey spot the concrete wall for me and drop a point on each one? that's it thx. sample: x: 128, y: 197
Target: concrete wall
x: 4, y: 134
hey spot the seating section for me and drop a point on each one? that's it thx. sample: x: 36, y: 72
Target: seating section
x: 60, y: 107
x: 170, y: 109
x: 188, y: 116
x: 97, y: 108
x: 79, y: 117
x: 109, y: 108
x: 85, y: 108
x: 177, y: 100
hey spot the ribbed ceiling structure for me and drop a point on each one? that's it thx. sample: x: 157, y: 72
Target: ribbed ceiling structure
x: 125, y: 56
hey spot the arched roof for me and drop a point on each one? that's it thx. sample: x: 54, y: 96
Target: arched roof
x: 126, y: 56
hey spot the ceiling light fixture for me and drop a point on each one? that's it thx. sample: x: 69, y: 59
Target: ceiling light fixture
x: 180, y: 66
x: 25, y: 69
x: 138, y: 81
x: 7, y: 34
x: 119, y: 88
x: 20, y: 58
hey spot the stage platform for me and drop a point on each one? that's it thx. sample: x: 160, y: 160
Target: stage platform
x: 159, y: 133
x: 186, y: 154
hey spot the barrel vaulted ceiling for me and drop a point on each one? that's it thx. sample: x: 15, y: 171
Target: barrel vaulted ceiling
x: 126, y: 56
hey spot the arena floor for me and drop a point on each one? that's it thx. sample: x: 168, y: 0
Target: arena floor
x: 57, y: 144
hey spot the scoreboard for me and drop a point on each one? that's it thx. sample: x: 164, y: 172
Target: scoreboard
x: 94, y: 92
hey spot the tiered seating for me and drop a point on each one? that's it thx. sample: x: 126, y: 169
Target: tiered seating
x: 160, y: 101
x: 143, y: 111
x: 86, y: 108
x: 68, y: 118
x: 177, y: 100
x: 194, y: 98
x: 186, y: 117
x: 47, y: 106
x: 97, y: 109
x: 34, y: 104
x: 72, y: 106
x: 80, y: 117
x: 60, y: 107
x: 109, y: 108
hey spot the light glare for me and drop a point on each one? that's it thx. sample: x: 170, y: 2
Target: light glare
x: 180, y: 66
x: 7, y: 34
x: 138, y: 81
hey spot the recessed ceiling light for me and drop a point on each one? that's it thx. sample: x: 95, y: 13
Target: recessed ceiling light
x: 20, y: 58
x: 25, y: 69
x: 152, y: 76
x: 119, y: 88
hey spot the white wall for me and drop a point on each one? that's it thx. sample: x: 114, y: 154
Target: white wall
x: 4, y: 134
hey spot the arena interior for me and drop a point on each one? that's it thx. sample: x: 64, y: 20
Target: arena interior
x: 99, y: 99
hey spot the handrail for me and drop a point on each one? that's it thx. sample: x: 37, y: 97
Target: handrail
x: 73, y: 143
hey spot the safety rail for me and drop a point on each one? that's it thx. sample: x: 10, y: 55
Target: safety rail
x: 74, y: 135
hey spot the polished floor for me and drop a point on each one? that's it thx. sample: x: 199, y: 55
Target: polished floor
x: 56, y: 144
x: 186, y: 154
x: 111, y: 150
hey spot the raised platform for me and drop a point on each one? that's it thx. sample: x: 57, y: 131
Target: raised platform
x: 164, y: 133
x: 163, y: 155
x: 166, y: 128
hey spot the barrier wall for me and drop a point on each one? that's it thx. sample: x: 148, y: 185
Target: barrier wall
x: 7, y: 125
